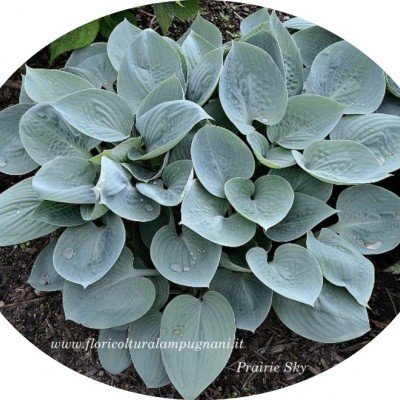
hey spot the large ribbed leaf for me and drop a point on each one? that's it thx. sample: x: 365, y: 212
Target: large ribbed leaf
x: 123, y: 35
x: 308, y: 118
x: 120, y: 297
x: 85, y: 253
x: 205, y: 214
x: 58, y: 214
x: 305, y: 213
x: 191, y: 321
x: 14, y: 160
x: 52, y: 84
x: 252, y: 88
x: 305, y: 183
x: 46, y: 135
x: 335, y: 317
x: 176, y: 178
x: 147, y: 358
x: 67, y: 180
x: 272, y: 157
x: 206, y: 30
x: 250, y: 299
x: 332, y: 161
x: 99, y: 114
x: 379, y: 132
x: 115, y: 191
x: 342, y: 265
x: 213, y: 150
x: 253, y: 20
x: 43, y: 275
x: 369, y: 218
x: 293, y: 273
x: 265, y: 202
x: 113, y: 353
x: 165, y: 125
x: 194, y: 48
x: 204, y: 78
x: 292, y: 63
x: 185, y: 258
x: 17, y: 205
x: 349, y: 77
x: 312, y: 41
x: 149, y: 61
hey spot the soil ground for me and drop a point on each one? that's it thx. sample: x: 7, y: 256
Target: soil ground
x: 39, y: 316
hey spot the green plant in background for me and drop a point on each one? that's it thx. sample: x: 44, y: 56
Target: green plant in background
x: 216, y: 161
x: 101, y: 29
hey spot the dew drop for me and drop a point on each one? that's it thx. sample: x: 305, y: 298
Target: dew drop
x: 176, y: 268
x: 373, y: 246
x: 68, y: 253
x: 178, y: 329
x: 148, y: 207
x: 3, y: 162
x: 186, y: 269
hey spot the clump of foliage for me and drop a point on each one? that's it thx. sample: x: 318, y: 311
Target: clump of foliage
x: 209, y: 166
x: 100, y: 29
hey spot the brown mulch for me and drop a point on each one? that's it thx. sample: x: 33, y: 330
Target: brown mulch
x: 40, y: 318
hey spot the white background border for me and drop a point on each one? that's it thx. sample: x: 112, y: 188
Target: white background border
x: 28, y: 25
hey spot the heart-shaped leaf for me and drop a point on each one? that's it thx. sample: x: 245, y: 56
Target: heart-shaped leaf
x: 213, y: 149
x: 253, y: 20
x: 85, y: 253
x: 186, y: 258
x: 194, y: 48
x: 190, y: 320
x: 205, y: 214
x: 293, y: 273
x: 265, y: 202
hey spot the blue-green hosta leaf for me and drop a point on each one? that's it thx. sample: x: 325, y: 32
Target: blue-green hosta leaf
x: 23, y: 96
x: 46, y: 135
x: 392, y: 86
x: 390, y: 105
x: 17, y: 205
x: 97, y: 113
x: 252, y: 88
x: 176, y: 178
x: 182, y: 150
x: 379, y: 132
x: 90, y: 212
x: 120, y: 152
x: 215, y: 110
x: 272, y: 157
x: 58, y: 214
x: 305, y: 213
x: 149, y: 229
x: 253, y: 20
x: 147, y: 359
x: 312, y: 41
x: 332, y: 161
x: 162, y: 291
x: 186, y: 258
x: 187, y: 319
x: 120, y: 297
x: 305, y: 183
x: 369, y: 218
x: 194, y: 49
x: 335, y: 317
x: 165, y: 125
x: 250, y: 299
x: 265, y: 202
x: 66, y: 180
x: 213, y: 149
x: 142, y: 173
x: 93, y: 64
x: 348, y: 76
x: 206, y: 30
x: 85, y: 253
x: 292, y: 63
x: 113, y: 353
x: 293, y: 273
x: 342, y: 264
x: 169, y: 90
x: 298, y: 23
x: 123, y: 35
x: 43, y: 275
x: 308, y: 118
x: 14, y: 160
x: 205, y: 214
x: 52, y: 84
x: 204, y: 78
x: 115, y: 191
x: 149, y: 61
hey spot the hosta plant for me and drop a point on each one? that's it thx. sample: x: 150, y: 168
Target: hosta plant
x: 211, y: 167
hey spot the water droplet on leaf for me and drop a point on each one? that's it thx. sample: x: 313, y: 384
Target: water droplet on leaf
x: 68, y: 253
